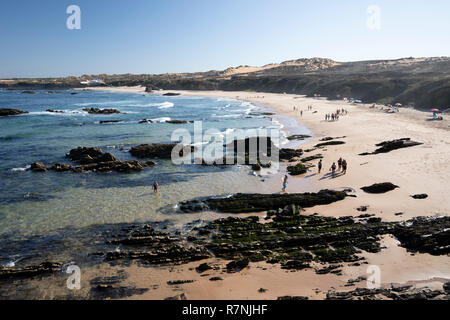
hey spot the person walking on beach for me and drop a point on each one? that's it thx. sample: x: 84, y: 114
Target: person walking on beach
x: 155, y: 186
x: 340, y: 164
x: 344, y: 166
x: 285, y: 179
x: 320, y: 165
x: 301, y: 113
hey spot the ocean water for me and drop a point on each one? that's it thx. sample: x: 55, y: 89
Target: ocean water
x: 36, y: 205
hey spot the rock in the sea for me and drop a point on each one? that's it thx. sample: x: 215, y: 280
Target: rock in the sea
x: 38, y: 167
x: 171, y: 94
x: 176, y: 121
x: 380, y: 187
x: 109, y: 121
x: 388, y: 146
x: 161, y: 151
x: 54, y: 111
x: 28, y: 92
x: 11, y: 112
x: 95, y: 160
x: 101, y: 111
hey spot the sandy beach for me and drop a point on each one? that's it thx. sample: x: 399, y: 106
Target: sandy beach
x: 416, y: 170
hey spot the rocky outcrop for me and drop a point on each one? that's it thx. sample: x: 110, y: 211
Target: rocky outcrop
x: 161, y: 151
x: 30, y: 271
x: 171, y: 94
x: 298, y: 137
x: 298, y: 169
x: 101, y: 111
x: 240, y: 203
x: 289, y: 154
x: 54, y: 111
x: 5, y: 112
x: 109, y: 121
x: 94, y: 160
x: 393, y: 293
x: 388, y: 146
x: 426, y: 235
x: 380, y: 187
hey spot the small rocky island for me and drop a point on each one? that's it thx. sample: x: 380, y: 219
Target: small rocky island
x: 5, y: 112
x: 94, y: 160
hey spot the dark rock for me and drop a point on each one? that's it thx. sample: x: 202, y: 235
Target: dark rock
x: 380, y: 188
x: 171, y: 94
x: 329, y: 143
x: 215, y: 279
x: 54, y: 111
x: 29, y: 92
x: 95, y: 160
x: 176, y: 121
x: 262, y: 290
x: 162, y: 151
x: 107, y: 291
x: 110, y: 121
x: 30, y: 271
x: 298, y: 169
x: 101, y: 111
x: 425, y: 235
x: 311, y: 158
x: 181, y: 296
x: 236, y: 266
x: 288, y: 298
x: 288, y: 154
x: 362, y: 209
x: 178, y: 282
x: 388, y: 146
x: 11, y: 112
x: 420, y: 196
x: 38, y: 167
x: 298, y: 137
x: 203, y: 267
x: 240, y: 203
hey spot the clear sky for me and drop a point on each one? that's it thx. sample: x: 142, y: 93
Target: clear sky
x: 159, y: 36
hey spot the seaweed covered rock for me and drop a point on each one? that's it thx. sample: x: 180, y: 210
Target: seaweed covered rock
x: 289, y: 154
x: 29, y: 271
x: 298, y: 169
x: 11, y: 112
x: 380, y: 188
x: 388, y: 146
x: 294, y: 241
x: 240, y: 203
x: 427, y: 235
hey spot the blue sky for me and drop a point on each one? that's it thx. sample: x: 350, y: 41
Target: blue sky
x: 159, y: 36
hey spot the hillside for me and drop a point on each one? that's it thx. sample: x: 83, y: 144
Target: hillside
x: 418, y: 82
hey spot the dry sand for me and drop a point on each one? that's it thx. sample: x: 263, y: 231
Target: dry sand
x: 416, y: 170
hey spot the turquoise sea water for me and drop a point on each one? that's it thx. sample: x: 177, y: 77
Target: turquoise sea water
x: 35, y: 205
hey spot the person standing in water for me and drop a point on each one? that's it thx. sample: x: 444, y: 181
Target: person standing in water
x: 320, y: 165
x: 285, y: 183
x: 155, y: 186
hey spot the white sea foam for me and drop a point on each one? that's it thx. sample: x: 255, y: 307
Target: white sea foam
x: 162, y: 105
x: 21, y: 169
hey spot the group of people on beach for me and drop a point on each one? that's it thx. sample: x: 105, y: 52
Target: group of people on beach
x: 341, y: 167
x: 301, y: 111
x: 335, y: 116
